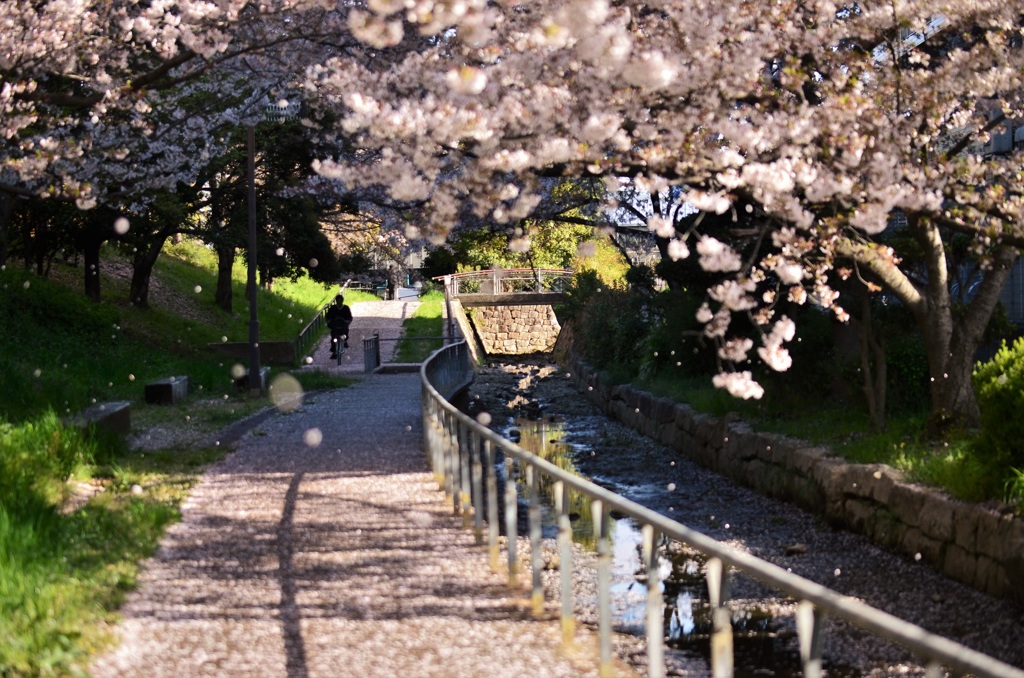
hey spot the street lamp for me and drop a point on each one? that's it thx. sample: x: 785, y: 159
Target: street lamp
x: 278, y: 111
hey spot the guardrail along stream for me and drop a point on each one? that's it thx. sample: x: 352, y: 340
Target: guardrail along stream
x: 464, y: 455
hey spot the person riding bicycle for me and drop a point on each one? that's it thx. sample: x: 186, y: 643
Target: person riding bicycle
x: 338, y: 317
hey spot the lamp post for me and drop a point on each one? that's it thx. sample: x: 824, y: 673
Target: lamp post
x: 279, y: 111
x: 255, y: 382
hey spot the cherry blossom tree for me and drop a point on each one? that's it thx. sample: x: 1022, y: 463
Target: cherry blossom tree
x: 826, y: 119
x: 823, y: 120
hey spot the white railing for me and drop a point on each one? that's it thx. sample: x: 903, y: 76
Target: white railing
x: 507, y: 281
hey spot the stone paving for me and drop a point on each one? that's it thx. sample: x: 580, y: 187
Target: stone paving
x: 321, y: 546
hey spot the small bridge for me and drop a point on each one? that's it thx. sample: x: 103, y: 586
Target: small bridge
x: 508, y: 287
x: 511, y: 308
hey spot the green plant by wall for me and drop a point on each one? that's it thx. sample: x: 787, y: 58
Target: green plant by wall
x: 999, y: 384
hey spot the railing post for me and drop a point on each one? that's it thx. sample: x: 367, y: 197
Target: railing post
x: 492, y: 506
x: 511, y: 522
x: 604, y: 586
x: 655, y: 605
x: 808, y: 628
x: 536, y: 562
x: 478, y: 499
x: 721, y: 624
x: 465, y: 500
x: 371, y: 353
x: 452, y: 445
x: 565, y: 561
x: 433, y: 434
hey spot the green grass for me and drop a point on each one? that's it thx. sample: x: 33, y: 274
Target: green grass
x: 422, y: 331
x: 64, y: 574
x: 1014, y: 489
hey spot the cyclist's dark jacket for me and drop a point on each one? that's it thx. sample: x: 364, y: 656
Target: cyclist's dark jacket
x: 339, y: 317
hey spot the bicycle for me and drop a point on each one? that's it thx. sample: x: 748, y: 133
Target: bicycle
x: 341, y: 349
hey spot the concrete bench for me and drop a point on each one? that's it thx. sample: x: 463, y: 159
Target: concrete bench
x: 167, y: 391
x: 112, y: 417
x: 242, y: 382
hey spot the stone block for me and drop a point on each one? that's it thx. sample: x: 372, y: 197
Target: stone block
x: 649, y: 426
x: 995, y: 532
x: 802, y: 459
x: 960, y: 564
x: 965, y: 527
x: 167, y: 391
x: 916, y: 542
x: 885, y: 480
x: 830, y: 474
x: 242, y: 382
x: 937, y: 516
x: 985, y: 573
x: 807, y: 494
x: 860, y: 515
x: 755, y: 474
x: 112, y: 417
x: 778, y: 448
x: 630, y: 395
x: 645, y: 402
x: 663, y: 410
x: 684, y: 416
x: 860, y: 480
x: 889, y: 531
x: 906, y: 501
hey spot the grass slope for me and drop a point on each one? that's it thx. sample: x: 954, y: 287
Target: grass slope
x: 421, y: 333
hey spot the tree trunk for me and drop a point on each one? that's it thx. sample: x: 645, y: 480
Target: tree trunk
x: 6, y: 216
x: 90, y: 238
x: 142, y: 271
x: 951, y: 358
x: 225, y: 263
x: 874, y: 368
x: 950, y: 342
x: 91, y: 257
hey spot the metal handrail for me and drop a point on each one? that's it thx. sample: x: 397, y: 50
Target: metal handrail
x: 311, y: 332
x: 507, y: 280
x: 462, y: 454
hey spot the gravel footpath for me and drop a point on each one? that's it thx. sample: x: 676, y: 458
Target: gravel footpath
x: 651, y: 474
x: 322, y: 547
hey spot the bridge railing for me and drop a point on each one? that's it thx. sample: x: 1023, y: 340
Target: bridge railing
x: 507, y: 281
x: 463, y: 454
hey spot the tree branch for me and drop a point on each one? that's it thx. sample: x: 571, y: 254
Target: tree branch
x: 884, y: 268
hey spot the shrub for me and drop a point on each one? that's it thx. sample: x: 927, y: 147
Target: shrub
x: 999, y: 384
x: 611, y: 324
x: 36, y: 457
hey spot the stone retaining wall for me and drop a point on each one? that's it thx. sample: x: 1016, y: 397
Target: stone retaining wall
x: 979, y: 546
x: 516, y: 330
